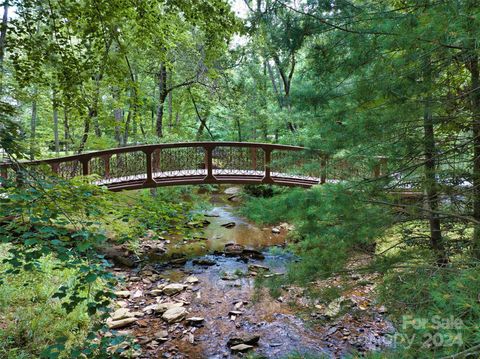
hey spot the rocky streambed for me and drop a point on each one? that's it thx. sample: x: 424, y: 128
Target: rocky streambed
x: 209, y: 306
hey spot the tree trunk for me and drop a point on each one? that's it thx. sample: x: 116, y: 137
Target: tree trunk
x: 33, y: 125
x: 92, y: 113
x: 55, y: 123
x: 3, y: 36
x: 162, y: 88
x: 66, y: 129
x: 170, y: 102
x: 475, y: 103
x: 431, y: 200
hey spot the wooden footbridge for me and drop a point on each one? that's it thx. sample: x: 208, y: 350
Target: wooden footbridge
x: 193, y: 163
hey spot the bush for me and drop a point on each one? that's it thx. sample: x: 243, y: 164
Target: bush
x: 437, y: 311
x: 31, y: 319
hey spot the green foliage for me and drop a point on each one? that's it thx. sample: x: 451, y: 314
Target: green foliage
x: 54, y: 220
x: 436, y: 310
x: 32, y: 318
x: 333, y: 221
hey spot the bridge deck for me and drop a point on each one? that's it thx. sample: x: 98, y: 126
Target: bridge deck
x: 195, y: 177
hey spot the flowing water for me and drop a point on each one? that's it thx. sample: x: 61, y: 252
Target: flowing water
x: 229, y: 285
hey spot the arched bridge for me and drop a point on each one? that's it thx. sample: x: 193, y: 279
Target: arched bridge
x: 192, y: 163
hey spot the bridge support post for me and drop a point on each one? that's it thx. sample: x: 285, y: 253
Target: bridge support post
x: 84, y: 162
x: 148, y: 155
x: 267, y: 178
x: 106, y: 163
x: 209, y: 164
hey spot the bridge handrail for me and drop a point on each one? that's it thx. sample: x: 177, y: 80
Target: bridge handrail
x: 152, y: 147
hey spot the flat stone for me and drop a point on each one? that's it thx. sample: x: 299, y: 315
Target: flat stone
x: 276, y: 230
x: 250, y: 339
x: 195, y: 320
x: 253, y: 253
x: 156, y: 292
x: 233, y: 249
x: 163, y: 307
x: 191, y: 279
x: 257, y: 267
x: 229, y: 225
x: 121, y: 313
x: 174, y: 315
x: 241, y: 348
x: 173, y: 288
x: 161, y: 335
x: 232, y: 190
x: 120, y: 323
x: 204, y: 262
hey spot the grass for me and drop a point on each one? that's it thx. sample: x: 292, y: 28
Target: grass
x: 30, y: 319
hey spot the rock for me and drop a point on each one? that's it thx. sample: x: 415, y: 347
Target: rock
x: 122, y: 303
x: 233, y: 249
x: 382, y: 309
x: 174, y: 315
x: 163, y: 307
x: 253, y: 253
x: 229, y: 225
x: 123, y: 293
x: 178, y: 261
x: 250, y: 339
x: 137, y: 294
x: 276, y: 230
x: 334, y: 307
x: 234, y: 198
x: 241, y: 348
x: 257, y: 268
x: 204, y: 262
x: 232, y: 190
x: 120, y: 323
x: 121, y: 313
x: 156, y: 292
x: 162, y: 335
x: 173, y: 288
x: 191, y: 279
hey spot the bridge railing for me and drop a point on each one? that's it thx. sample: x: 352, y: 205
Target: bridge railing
x: 197, y: 162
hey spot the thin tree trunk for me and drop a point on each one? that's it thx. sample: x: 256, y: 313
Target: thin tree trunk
x: 170, y: 102
x: 162, y: 88
x: 475, y: 103
x: 86, y: 131
x: 432, y: 200
x: 96, y: 124
x: 3, y: 36
x: 33, y: 125
x: 66, y: 129
x: 55, y: 123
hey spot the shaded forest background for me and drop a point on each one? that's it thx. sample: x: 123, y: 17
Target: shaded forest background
x: 357, y: 80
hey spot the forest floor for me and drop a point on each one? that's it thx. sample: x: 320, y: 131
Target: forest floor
x: 203, y: 297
